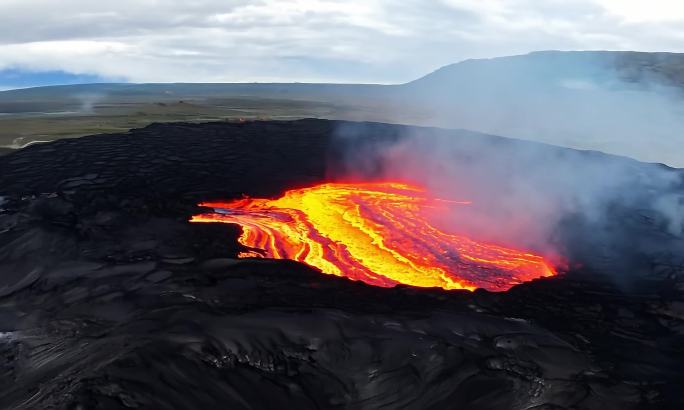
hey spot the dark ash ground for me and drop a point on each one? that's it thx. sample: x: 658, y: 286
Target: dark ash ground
x: 109, y: 299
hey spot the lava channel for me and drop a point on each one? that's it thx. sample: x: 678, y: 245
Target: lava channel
x: 377, y: 233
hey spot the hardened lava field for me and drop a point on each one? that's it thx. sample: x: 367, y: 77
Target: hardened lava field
x: 111, y: 299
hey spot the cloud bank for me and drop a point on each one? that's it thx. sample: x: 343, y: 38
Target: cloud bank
x: 313, y: 40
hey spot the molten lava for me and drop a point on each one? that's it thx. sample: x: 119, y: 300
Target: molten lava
x: 378, y: 233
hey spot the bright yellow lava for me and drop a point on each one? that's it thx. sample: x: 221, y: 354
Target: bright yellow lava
x: 374, y: 232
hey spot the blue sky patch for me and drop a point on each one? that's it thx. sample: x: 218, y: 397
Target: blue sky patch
x: 17, y: 78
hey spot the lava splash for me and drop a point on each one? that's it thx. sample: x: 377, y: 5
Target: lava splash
x: 378, y: 233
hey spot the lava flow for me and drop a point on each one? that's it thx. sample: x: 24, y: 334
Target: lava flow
x: 378, y: 233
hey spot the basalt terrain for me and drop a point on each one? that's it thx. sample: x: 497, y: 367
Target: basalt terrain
x: 110, y: 298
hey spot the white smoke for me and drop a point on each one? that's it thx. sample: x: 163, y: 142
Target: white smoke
x: 88, y: 101
x: 627, y: 104
x: 523, y: 194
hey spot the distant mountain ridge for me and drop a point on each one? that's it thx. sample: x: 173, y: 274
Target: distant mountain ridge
x: 629, y: 66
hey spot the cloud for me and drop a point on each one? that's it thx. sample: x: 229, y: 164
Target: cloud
x: 645, y: 11
x: 313, y: 40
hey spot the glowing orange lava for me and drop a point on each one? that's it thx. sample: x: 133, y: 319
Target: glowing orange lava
x: 374, y: 232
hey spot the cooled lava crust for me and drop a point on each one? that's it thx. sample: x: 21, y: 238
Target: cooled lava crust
x: 110, y: 299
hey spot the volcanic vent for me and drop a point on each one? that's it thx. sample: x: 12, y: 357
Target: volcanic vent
x: 379, y: 233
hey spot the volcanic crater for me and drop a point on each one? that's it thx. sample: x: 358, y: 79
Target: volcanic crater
x: 112, y: 298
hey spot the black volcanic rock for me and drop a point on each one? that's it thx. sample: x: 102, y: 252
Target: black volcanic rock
x: 110, y: 299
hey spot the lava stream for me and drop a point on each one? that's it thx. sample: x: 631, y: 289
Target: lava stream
x: 374, y: 232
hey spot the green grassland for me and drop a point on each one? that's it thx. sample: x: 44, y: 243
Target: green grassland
x: 51, y: 113
x: 19, y: 129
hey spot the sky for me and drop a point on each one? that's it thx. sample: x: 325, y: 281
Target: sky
x: 367, y: 41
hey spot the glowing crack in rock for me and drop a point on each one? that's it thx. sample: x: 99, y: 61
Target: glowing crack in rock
x: 378, y: 233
